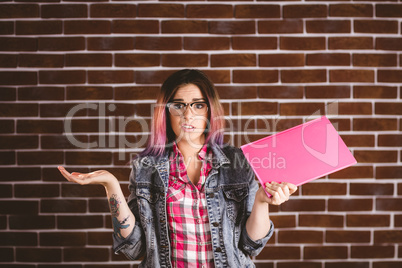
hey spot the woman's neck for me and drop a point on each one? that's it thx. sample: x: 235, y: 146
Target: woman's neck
x: 189, y: 149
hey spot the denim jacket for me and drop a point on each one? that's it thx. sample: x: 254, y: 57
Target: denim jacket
x: 230, y: 190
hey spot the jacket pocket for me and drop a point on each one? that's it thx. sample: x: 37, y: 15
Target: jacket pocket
x: 236, y: 196
x: 147, y: 198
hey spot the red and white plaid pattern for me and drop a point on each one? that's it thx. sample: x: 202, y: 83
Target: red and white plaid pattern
x: 190, y: 235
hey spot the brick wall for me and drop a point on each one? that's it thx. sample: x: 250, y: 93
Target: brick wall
x: 77, y: 80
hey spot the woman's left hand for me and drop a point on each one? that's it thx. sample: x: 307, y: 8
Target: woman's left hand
x: 280, y: 192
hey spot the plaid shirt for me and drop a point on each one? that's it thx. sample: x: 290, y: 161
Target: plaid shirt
x: 190, y: 234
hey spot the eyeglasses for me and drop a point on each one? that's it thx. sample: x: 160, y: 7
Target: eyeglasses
x: 179, y: 108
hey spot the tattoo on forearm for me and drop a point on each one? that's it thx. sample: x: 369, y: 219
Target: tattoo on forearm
x: 114, y: 203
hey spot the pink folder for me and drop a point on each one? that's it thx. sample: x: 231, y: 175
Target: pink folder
x: 300, y: 154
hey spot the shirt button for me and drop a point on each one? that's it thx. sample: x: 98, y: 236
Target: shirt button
x: 218, y: 250
x: 211, y: 195
x: 215, y: 224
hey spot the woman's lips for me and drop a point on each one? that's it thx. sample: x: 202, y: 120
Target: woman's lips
x: 188, y: 128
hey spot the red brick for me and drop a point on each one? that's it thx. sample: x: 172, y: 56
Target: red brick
x: 301, y: 236
x: 113, y: 10
x: 93, y: 60
x: 302, y: 43
x: 18, y: 109
x: 304, y: 205
x: 26, y: 222
x: 87, y: 27
x: 301, y: 108
x: 388, y: 10
x: 280, y: 92
x: 375, y: 26
x: 233, y: 60
x: 209, y: 11
x: 206, y: 43
x: 231, y: 27
x: 66, y: 239
x: 184, y: 26
x: 335, y: 59
x: 161, y: 10
x: 88, y: 158
x: 360, y: 108
x: 7, y: 126
x: 350, y: 43
x: 18, y: 44
x: 41, y: 60
x: 260, y: 43
x: 274, y: 60
x: 61, y: 142
x: 388, y: 172
x: 351, y: 76
x: 36, y: 190
x: 40, y: 93
x: 283, y: 221
x: 372, y: 252
x: 61, y: 43
x: 252, y: 108
x: 328, y: 26
x: 99, y: 238
x: 392, y: 140
x: 237, y: 92
x: 280, y: 26
x: 376, y: 156
x: 99, y: 205
x: 86, y: 254
x: 64, y: 11
x: 387, y: 264
x: 185, y: 60
x: 279, y: 253
x: 388, y: 43
x: 389, y: 204
x: 255, y: 76
x: 327, y: 92
x: 110, y: 43
x: 38, y: 255
x: 110, y: 77
x: 18, y: 239
x: 135, y: 26
x: 375, y: 92
x: 63, y: 206
x: 8, y: 61
x: 81, y: 222
x: 19, y: 207
x: 40, y: 126
x: 135, y: 93
x: 350, y: 10
x: 6, y: 27
x: 359, y: 140
x: 305, y: 11
x: 371, y: 189
x: 89, y: 93
x: 6, y: 190
x: 76, y: 190
x: 158, y: 43
x: 375, y: 60
x: 347, y: 236
x: 386, y: 236
x: 20, y: 174
x: 324, y: 189
x: 398, y: 220
x: 38, y: 158
x: 389, y: 76
x: 38, y: 27
x: 350, y: 204
x: 18, y: 78
x: 326, y: 252
x: 6, y: 254
x: 359, y: 220
x: 374, y: 124
x: 394, y: 108
x: 62, y: 77
x: 303, y: 76
x: 257, y: 11
x: 19, y: 11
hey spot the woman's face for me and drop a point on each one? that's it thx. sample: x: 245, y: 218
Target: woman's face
x: 189, y: 123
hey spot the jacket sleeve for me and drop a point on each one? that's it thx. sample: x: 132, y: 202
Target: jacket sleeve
x: 133, y: 246
x: 248, y: 245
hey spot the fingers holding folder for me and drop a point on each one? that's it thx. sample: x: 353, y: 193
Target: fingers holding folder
x: 280, y: 192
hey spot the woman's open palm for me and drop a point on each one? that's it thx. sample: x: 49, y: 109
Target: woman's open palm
x: 102, y: 177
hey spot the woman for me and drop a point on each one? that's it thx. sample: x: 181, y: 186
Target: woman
x: 194, y: 202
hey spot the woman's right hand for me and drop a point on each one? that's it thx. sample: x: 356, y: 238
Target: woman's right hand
x: 102, y: 177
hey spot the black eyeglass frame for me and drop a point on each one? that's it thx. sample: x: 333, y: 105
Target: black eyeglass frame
x: 186, y: 104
